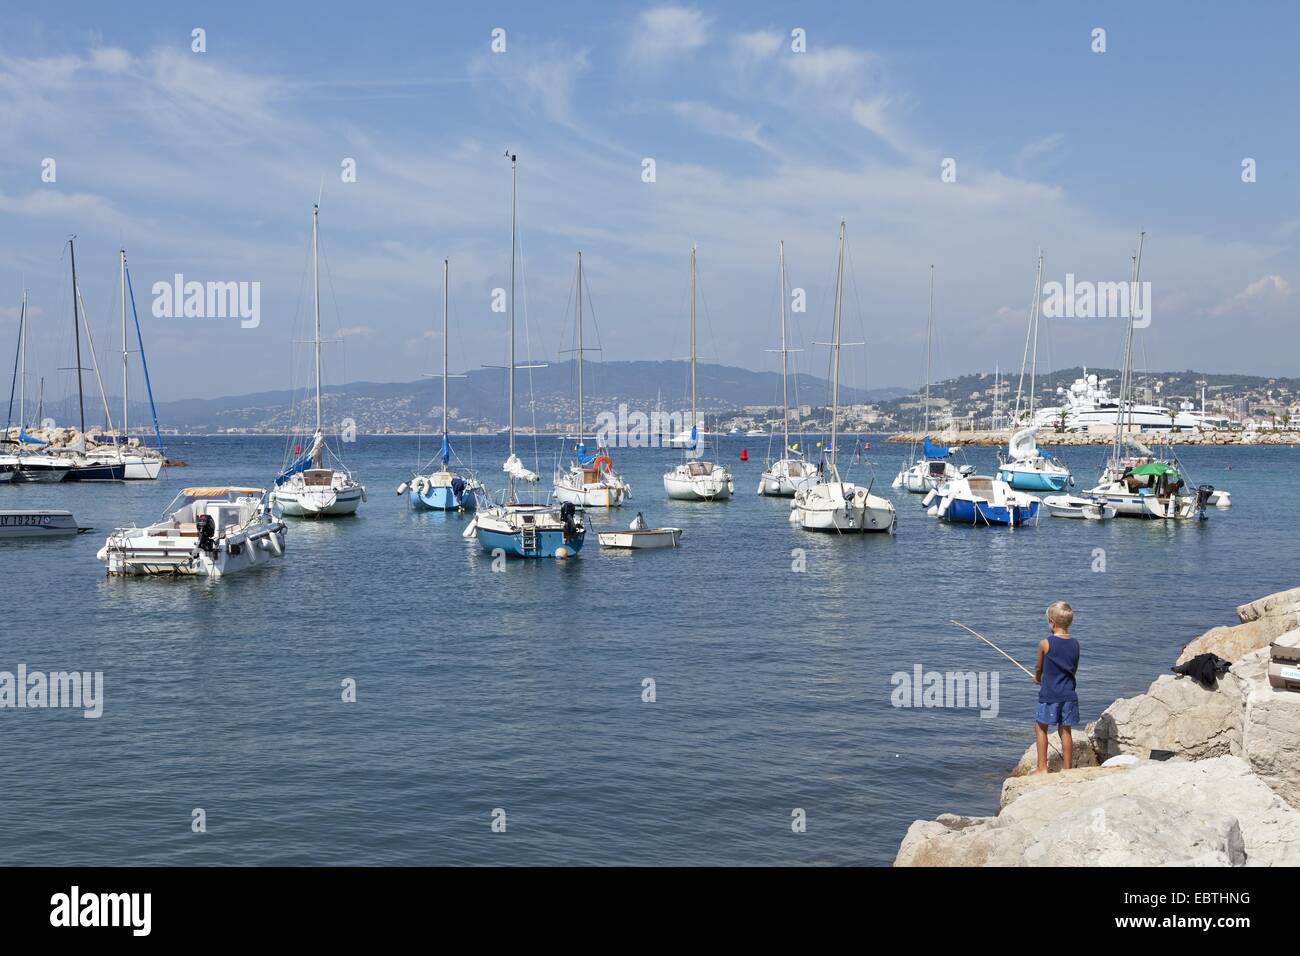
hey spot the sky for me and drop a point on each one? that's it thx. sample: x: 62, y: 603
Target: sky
x: 208, y: 163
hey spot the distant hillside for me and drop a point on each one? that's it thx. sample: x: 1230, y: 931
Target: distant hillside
x: 479, y: 399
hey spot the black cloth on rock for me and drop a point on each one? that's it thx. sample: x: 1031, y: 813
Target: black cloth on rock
x: 1205, y: 669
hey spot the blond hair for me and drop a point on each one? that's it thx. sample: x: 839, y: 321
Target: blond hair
x: 1060, y: 614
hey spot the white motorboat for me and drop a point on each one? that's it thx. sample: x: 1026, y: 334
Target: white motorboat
x: 696, y: 479
x: 309, y: 488
x: 1074, y: 506
x: 37, y: 523
x: 590, y: 481
x: 640, y: 537
x: 836, y: 504
x: 36, y: 467
x: 209, y: 531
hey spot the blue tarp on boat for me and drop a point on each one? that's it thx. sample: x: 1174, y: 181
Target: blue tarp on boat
x: 580, y: 452
x: 302, y: 464
x: 933, y: 451
x: 446, y: 449
x: 27, y: 439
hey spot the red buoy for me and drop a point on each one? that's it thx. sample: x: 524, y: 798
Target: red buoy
x: 744, y: 454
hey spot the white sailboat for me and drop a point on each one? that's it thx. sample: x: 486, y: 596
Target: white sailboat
x: 23, y: 465
x: 836, y: 504
x: 590, y: 480
x: 791, y: 472
x: 696, y: 479
x: 443, y: 489
x: 933, y: 468
x: 512, y: 528
x: 1135, y: 482
x: 1025, y: 466
x: 135, y: 465
x: 309, y: 488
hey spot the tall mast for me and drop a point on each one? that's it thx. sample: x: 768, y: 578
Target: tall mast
x: 315, y: 276
x: 929, y: 338
x: 580, y: 352
x: 76, y: 334
x: 785, y: 360
x: 835, y: 377
x: 446, y: 265
x: 514, y: 209
x: 693, y: 413
x: 1033, y: 362
x: 122, y: 254
x: 1126, y: 378
x: 22, y: 378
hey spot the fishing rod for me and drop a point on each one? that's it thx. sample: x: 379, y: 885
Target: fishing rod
x: 1014, y: 661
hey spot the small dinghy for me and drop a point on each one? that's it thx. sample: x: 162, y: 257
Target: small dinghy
x: 1073, y: 506
x: 638, y: 536
x: 37, y: 524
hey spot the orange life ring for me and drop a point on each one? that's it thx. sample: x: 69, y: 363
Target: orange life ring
x: 602, y: 458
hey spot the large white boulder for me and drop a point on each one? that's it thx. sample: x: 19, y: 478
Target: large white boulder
x: 1177, y: 715
x: 1180, y: 813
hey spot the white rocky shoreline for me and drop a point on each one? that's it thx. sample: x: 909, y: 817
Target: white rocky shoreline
x: 1215, y: 780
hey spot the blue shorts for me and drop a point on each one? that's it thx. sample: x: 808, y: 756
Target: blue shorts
x: 1062, y: 714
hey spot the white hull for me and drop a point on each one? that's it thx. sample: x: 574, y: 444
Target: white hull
x: 649, y: 538
x: 36, y: 524
x: 1072, y: 506
x: 843, y: 507
x: 787, y: 477
x: 245, y: 536
x: 698, y: 481
x: 608, y: 491
x: 926, y: 476
x: 325, y: 503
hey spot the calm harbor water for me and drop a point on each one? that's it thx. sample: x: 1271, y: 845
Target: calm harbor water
x: 522, y: 690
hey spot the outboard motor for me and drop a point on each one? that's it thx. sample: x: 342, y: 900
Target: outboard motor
x: 567, y: 511
x: 207, y: 528
x: 1203, y: 493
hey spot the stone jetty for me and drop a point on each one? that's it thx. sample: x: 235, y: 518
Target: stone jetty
x: 1054, y: 438
x: 1206, y: 777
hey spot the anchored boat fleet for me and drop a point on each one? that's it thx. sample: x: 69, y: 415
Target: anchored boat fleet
x: 216, y: 531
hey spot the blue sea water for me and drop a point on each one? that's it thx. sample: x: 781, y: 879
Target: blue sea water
x: 521, y: 690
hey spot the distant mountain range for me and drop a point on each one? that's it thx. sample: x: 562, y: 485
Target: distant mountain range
x: 546, y: 396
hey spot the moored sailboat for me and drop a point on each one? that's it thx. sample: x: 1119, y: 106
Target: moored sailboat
x: 790, y: 473
x: 696, y: 479
x: 309, y: 487
x: 836, y: 504
x: 511, y: 528
x: 933, y: 467
x: 590, y: 481
x: 444, y: 489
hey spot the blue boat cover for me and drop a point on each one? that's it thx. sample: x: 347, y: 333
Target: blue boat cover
x: 933, y: 451
x: 28, y: 439
x: 580, y: 452
x: 446, y: 449
x: 695, y: 436
x: 302, y: 464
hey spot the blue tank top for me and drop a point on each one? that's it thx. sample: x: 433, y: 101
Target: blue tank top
x: 1059, y: 664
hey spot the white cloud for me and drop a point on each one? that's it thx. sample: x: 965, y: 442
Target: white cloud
x: 664, y: 33
x: 716, y: 122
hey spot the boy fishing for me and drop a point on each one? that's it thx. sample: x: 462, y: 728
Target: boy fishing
x: 1058, y: 700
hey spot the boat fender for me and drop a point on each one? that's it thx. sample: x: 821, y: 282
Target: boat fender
x: 276, y: 540
x: 470, y: 528
x: 364, y: 496
x: 102, y: 554
x: 401, y: 489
